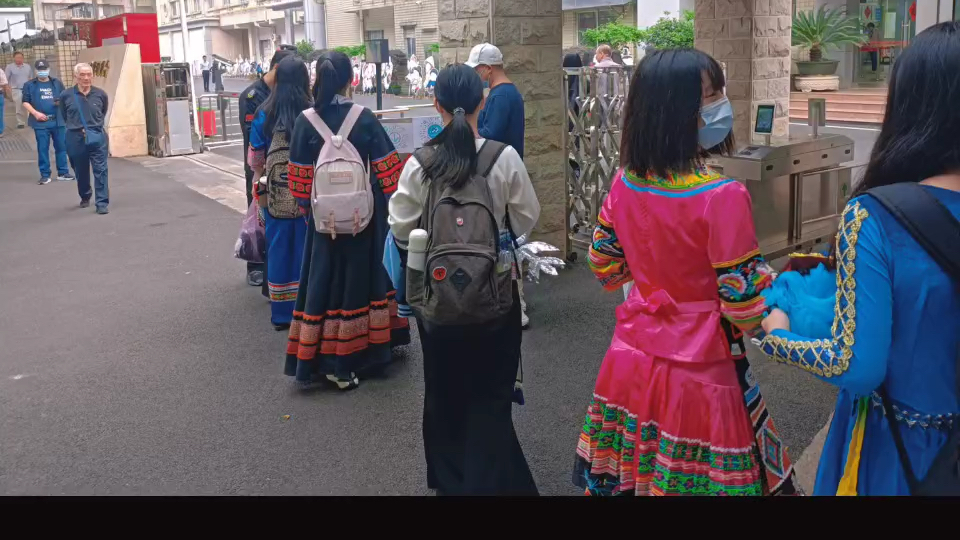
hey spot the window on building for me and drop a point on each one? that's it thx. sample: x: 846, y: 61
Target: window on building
x: 110, y: 11
x: 82, y: 12
x: 175, y: 9
x: 211, y: 4
x: 588, y: 20
x: 374, y: 34
x: 196, y: 6
x: 410, y: 39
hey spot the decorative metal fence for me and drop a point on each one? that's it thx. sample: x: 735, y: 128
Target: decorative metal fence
x: 592, y: 143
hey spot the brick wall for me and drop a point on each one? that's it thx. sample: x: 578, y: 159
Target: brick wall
x: 752, y: 38
x: 529, y: 32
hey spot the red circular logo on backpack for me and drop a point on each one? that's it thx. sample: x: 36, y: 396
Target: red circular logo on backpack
x: 439, y: 273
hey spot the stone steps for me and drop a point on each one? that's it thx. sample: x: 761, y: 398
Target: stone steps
x: 860, y: 105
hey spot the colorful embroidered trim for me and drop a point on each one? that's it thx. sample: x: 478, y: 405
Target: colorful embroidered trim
x: 676, y: 185
x: 283, y: 292
x: 829, y: 357
x: 624, y: 456
x: 387, y: 170
x: 740, y: 282
x: 343, y: 332
x: 300, y: 178
x: 606, y: 258
x: 256, y: 159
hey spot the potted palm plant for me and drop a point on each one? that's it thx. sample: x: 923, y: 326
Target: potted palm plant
x: 819, y: 30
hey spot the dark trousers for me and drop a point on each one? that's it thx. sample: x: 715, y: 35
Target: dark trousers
x: 58, y: 136
x: 874, y: 55
x: 206, y: 80
x: 468, y: 436
x: 83, y: 159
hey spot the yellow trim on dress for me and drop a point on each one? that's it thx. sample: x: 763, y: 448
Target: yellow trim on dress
x: 851, y: 468
x: 738, y: 260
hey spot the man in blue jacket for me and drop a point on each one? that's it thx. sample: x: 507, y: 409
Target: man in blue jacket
x: 41, y: 98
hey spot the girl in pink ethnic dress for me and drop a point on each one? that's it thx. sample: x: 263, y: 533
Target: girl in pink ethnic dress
x: 675, y: 410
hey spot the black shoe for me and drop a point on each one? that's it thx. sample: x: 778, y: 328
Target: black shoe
x: 65, y: 178
x: 255, y: 278
x: 102, y: 210
x: 84, y: 203
x: 281, y: 327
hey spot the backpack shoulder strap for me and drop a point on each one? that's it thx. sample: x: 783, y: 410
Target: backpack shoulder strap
x: 932, y: 225
x: 318, y: 124
x: 928, y: 221
x: 350, y: 121
x: 488, y: 155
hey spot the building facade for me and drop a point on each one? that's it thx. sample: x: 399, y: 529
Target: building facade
x: 254, y: 28
x: 50, y: 14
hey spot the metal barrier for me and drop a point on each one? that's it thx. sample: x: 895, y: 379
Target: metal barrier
x: 219, y: 117
x: 592, y: 143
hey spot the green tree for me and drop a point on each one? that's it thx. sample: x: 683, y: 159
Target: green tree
x: 433, y: 48
x: 614, y: 33
x: 352, y: 50
x: 304, y: 47
x: 16, y: 3
x: 670, y: 32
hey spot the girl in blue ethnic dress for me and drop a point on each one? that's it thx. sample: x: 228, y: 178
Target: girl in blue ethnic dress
x: 285, y: 226
x: 896, y: 320
x: 345, y: 318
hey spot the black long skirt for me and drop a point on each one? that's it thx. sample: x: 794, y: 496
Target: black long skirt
x: 468, y: 436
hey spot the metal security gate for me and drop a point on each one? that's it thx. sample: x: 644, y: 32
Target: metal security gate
x: 592, y: 142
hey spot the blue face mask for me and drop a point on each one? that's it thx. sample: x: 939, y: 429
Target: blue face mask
x: 717, y: 123
x: 43, y: 74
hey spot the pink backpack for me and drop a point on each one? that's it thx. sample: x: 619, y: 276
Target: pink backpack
x: 342, y: 198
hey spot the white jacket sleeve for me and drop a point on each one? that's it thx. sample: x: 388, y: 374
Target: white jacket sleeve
x: 406, y: 204
x: 522, y: 203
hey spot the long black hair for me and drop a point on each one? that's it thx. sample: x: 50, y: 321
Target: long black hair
x: 920, y: 136
x: 290, y: 95
x: 334, y: 73
x: 459, y: 91
x: 661, y: 117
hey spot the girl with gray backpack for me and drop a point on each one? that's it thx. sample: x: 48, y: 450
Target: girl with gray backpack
x: 342, y: 169
x: 461, y: 202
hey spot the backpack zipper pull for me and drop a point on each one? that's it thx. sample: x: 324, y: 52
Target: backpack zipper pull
x: 333, y: 228
x: 356, y: 221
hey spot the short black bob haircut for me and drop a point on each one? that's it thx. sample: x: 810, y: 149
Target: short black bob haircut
x: 661, y: 116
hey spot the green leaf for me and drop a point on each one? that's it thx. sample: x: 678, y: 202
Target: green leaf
x: 826, y: 27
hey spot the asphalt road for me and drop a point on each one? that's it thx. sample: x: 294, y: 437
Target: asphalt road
x: 135, y: 360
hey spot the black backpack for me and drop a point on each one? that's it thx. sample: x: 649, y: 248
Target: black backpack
x: 933, y: 227
x: 464, y: 281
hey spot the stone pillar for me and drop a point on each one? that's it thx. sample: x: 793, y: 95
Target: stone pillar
x: 752, y: 38
x: 528, y: 32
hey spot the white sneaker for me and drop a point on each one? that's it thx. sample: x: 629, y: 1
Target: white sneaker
x: 524, y: 320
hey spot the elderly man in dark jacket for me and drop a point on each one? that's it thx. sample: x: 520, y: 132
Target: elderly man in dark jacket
x: 83, y: 108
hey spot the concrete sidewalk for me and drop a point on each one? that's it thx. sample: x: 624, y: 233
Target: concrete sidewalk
x: 135, y: 359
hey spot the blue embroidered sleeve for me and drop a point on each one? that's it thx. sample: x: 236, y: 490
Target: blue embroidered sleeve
x: 257, y: 153
x: 855, y: 357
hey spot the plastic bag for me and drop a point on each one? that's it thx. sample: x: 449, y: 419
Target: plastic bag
x: 252, y: 241
x: 391, y: 261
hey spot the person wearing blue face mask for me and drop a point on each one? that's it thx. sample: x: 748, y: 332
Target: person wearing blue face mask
x: 41, y: 98
x: 675, y: 385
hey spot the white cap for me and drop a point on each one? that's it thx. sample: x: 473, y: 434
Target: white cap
x: 485, y: 54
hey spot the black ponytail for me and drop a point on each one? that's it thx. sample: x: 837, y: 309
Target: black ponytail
x: 459, y: 91
x: 334, y: 73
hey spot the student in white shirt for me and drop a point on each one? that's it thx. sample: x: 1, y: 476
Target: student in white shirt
x: 205, y: 66
x: 469, y: 441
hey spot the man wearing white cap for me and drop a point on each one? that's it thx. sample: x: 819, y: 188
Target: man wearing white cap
x: 502, y: 116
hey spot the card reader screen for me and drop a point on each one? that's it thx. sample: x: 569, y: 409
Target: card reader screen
x: 764, y: 119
